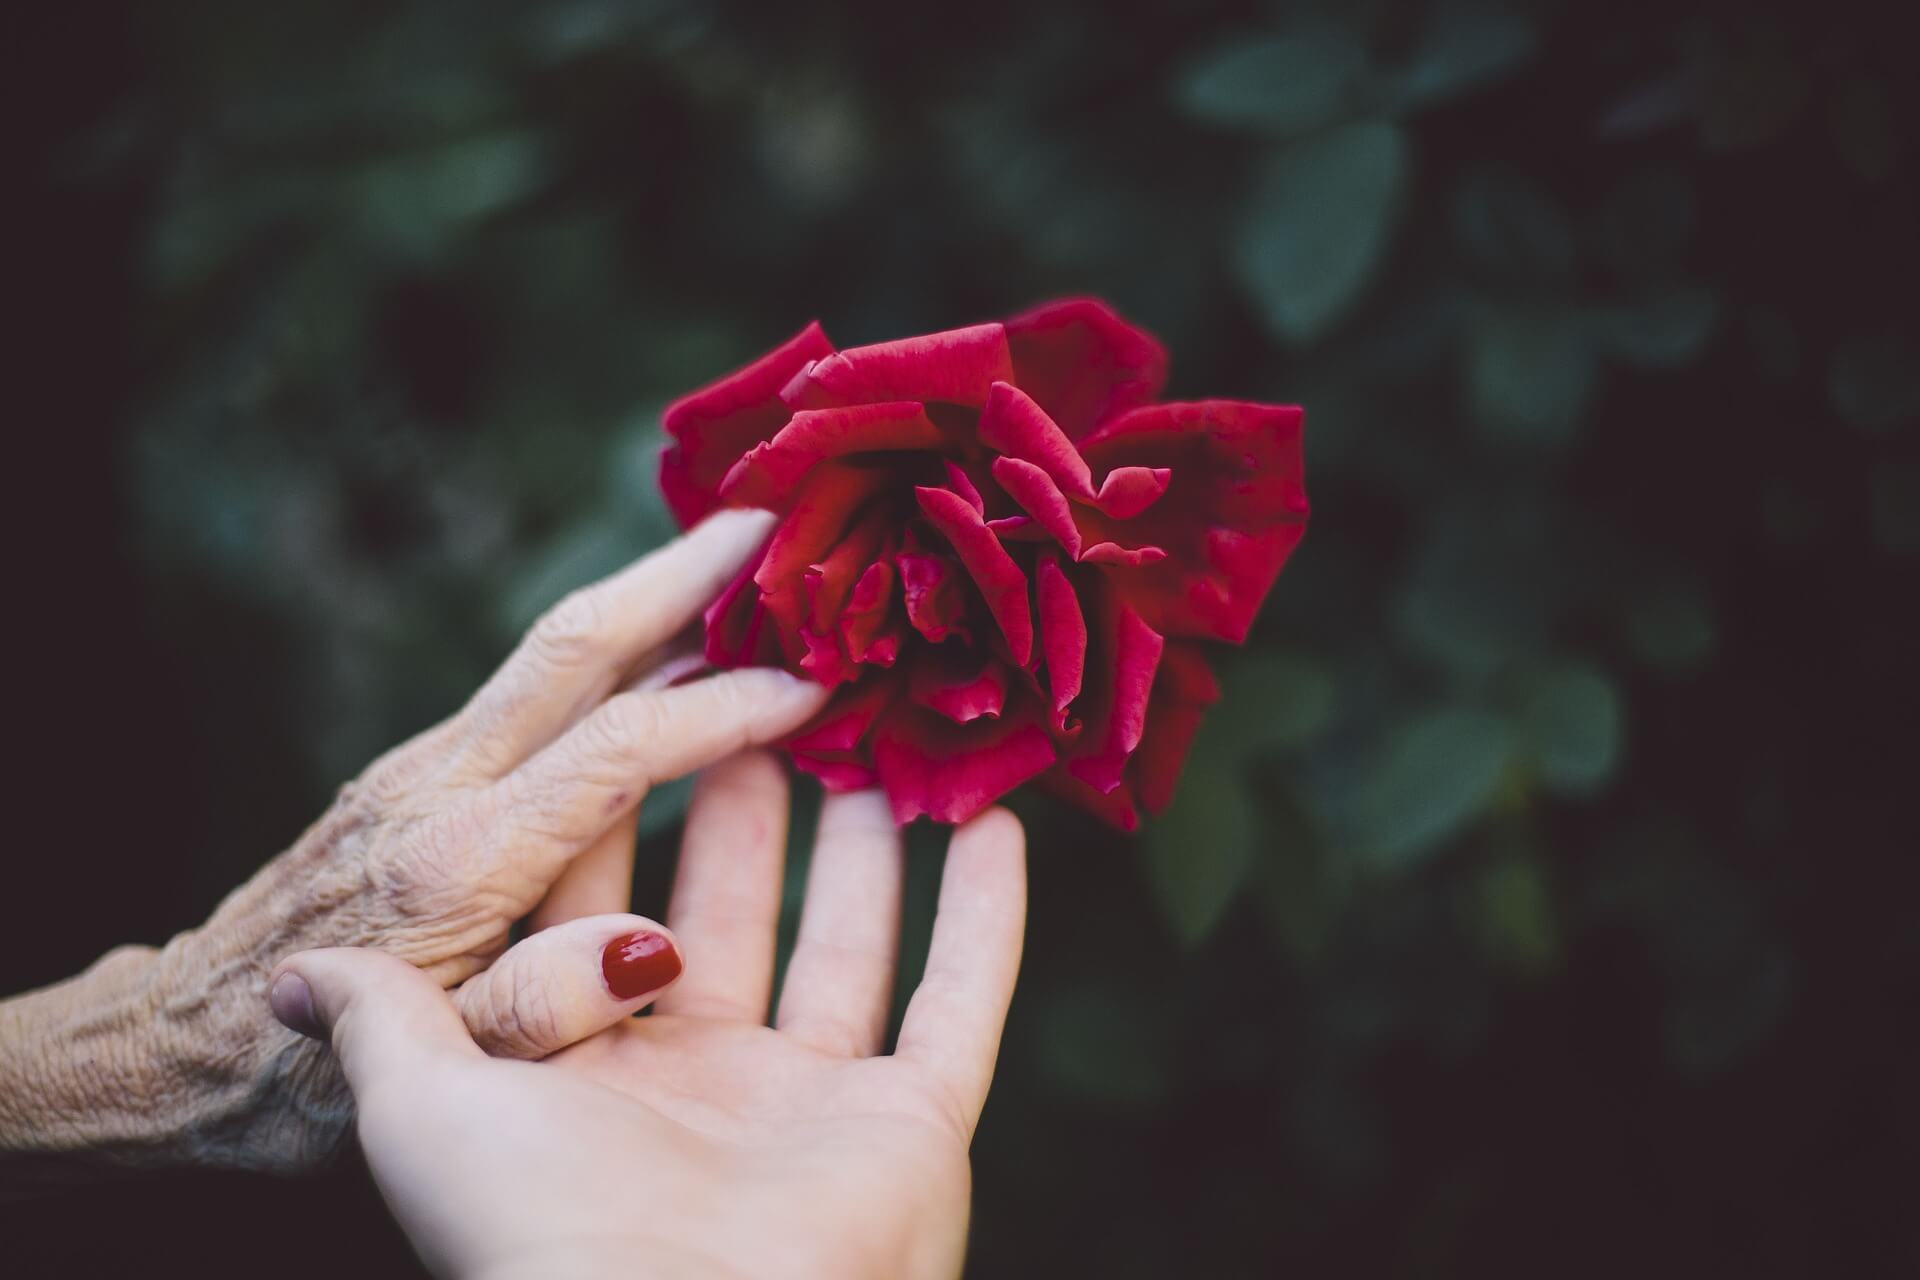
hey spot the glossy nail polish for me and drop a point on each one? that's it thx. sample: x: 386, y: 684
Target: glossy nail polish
x: 637, y: 963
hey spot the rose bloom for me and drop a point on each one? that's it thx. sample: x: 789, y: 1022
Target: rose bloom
x: 1004, y: 554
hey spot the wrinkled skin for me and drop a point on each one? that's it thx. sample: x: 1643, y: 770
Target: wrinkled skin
x: 523, y: 802
x: 998, y: 548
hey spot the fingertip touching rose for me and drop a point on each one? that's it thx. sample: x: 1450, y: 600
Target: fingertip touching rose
x: 1000, y: 549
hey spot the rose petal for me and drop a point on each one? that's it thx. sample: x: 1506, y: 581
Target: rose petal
x: 829, y: 581
x: 950, y: 772
x: 885, y: 649
x: 1082, y: 363
x: 844, y: 722
x: 1001, y: 584
x: 1129, y: 654
x: 1236, y: 462
x: 1019, y: 428
x: 930, y: 585
x: 1127, y: 491
x: 868, y: 609
x: 734, y: 621
x: 1034, y: 490
x: 962, y: 484
x: 959, y: 685
x: 770, y: 470
x: 1063, y: 637
x: 1185, y: 674
x: 1114, y: 553
x: 1217, y: 593
x: 1116, y: 808
x: 1181, y: 695
x: 1233, y: 511
x: 824, y: 659
x: 713, y: 426
x: 836, y: 775
x: 957, y: 366
x: 826, y: 504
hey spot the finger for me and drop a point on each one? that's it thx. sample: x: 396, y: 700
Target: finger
x: 954, y: 1020
x: 565, y: 797
x: 725, y: 907
x: 598, y: 882
x: 840, y: 980
x: 580, y: 650
x: 384, y: 1018
x: 557, y: 987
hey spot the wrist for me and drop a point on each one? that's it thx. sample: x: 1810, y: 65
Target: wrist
x: 154, y: 1058
x: 222, y: 1083
x: 74, y: 1073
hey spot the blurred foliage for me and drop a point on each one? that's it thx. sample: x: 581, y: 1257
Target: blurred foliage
x: 1515, y: 911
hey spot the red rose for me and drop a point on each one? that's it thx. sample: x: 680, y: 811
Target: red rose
x: 998, y: 545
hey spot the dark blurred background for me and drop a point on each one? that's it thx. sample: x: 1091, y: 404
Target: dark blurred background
x: 1542, y: 898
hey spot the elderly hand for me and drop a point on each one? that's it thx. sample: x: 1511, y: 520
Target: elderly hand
x: 523, y: 802
x: 699, y: 1141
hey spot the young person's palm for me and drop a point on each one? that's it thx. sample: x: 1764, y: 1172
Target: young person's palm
x: 700, y: 1140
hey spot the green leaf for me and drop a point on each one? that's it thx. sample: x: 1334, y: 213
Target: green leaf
x: 1284, y: 85
x: 1198, y: 851
x: 1272, y: 700
x: 1290, y: 881
x: 1434, y: 776
x: 1508, y: 227
x: 1464, y: 49
x: 1571, y: 726
x: 1874, y: 382
x: 1482, y: 589
x: 1318, y: 225
x: 1662, y: 331
x: 1516, y: 915
x: 413, y: 202
x: 1530, y: 374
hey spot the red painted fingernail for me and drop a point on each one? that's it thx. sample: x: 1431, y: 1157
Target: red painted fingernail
x: 638, y: 963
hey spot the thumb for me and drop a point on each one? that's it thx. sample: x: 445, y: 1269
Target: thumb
x: 560, y: 985
x: 382, y: 1016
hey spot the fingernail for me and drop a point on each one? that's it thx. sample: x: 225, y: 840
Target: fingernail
x: 292, y: 1002
x: 638, y: 963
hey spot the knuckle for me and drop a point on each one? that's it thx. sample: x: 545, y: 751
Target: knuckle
x: 625, y: 728
x: 525, y: 1023
x: 731, y: 699
x: 572, y: 633
x: 432, y: 867
x: 535, y: 805
x: 839, y: 1037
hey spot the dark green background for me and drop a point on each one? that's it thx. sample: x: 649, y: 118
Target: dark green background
x: 1542, y: 898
